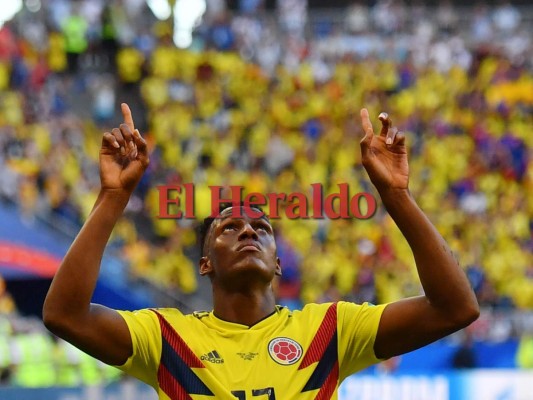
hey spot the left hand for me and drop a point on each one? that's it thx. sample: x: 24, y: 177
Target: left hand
x: 385, y: 156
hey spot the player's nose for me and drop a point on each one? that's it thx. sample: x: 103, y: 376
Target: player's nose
x: 248, y: 232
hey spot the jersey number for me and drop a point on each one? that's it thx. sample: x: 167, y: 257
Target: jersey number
x: 241, y: 394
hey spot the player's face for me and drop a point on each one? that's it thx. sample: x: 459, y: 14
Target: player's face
x: 240, y: 247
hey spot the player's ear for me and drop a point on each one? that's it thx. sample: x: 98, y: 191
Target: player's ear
x: 278, y: 266
x: 205, y: 266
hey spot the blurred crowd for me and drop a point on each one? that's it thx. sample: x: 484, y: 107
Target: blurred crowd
x: 270, y: 101
x: 31, y: 357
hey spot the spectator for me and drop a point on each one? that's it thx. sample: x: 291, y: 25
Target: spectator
x: 75, y: 29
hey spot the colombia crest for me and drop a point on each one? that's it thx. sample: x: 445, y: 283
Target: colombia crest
x: 285, y: 351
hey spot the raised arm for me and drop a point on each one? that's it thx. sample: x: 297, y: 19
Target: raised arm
x: 449, y: 304
x: 68, y: 312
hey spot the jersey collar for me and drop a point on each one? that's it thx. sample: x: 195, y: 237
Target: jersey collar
x: 263, y: 323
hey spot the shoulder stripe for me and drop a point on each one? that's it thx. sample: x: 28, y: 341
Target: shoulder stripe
x: 178, y: 344
x: 171, y: 386
x: 323, y: 337
x: 326, y: 374
x: 175, y: 374
x: 328, y: 388
x: 180, y: 380
x: 323, y: 349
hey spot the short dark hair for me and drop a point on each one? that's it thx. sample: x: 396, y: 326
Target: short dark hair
x: 206, y: 225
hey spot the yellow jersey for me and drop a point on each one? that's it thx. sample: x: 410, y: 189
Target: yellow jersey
x: 302, y: 354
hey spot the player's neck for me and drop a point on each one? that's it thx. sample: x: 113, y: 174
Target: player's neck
x: 246, y: 308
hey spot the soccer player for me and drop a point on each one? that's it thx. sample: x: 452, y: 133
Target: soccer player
x: 247, y: 347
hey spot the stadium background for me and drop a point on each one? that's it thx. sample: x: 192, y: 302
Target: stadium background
x: 267, y: 96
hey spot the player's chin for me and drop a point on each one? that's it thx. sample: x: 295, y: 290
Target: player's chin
x: 249, y: 260
x: 251, y: 263
x: 249, y: 255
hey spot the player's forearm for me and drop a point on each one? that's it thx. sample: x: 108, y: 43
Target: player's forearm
x: 445, y: 284
x: 69, y: 296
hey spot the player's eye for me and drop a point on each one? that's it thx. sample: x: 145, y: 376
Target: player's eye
x: 229, y: 227
x: 263, y: 227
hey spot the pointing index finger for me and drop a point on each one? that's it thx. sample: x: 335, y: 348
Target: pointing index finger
x: 126, y: 113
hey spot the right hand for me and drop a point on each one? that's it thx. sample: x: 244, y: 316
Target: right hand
x: 123, y: 156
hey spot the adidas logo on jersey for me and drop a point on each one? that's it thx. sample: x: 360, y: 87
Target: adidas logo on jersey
x: 212, y: 357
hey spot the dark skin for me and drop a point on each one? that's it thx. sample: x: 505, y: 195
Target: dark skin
x: 241, y: 263
x: 241, y: 259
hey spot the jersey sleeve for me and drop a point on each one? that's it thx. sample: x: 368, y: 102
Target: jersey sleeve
x: 145, y: 334
x: 358, y: 326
